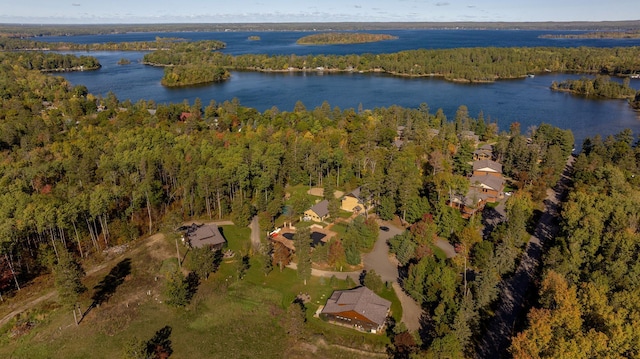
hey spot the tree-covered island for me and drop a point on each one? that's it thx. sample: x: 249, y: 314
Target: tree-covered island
x: 600, y: 86
x: 334, y: 38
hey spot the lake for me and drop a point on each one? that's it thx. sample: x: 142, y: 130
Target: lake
x: 528, y: 101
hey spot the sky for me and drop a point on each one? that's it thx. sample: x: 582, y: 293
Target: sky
x: 252, y: 11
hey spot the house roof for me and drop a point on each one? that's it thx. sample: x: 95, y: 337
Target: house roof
x: 206, y: 235
x: 487, y: 166
x: 361, y: 300
x: 471, y: 199
x: 321, y: 208
x: 355, y: 193
x: 485, y: 149
x: 487, y: 182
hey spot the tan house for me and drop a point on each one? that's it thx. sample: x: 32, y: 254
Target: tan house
x: 319, y: 212
x: 487, y: 167
x: 353, y: 202
x: 359, y: 308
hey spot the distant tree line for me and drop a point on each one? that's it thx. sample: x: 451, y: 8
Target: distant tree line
x: 633, y: 34
x: 161, y: 43
x: 18, y: 30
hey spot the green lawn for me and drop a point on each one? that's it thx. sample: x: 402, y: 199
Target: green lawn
x: 238, y: 238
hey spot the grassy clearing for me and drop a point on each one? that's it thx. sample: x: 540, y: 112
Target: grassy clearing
x: 238, y: 238
x: 226, y: 318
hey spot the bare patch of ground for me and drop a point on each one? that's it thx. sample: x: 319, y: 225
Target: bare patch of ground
x: 319, y: 192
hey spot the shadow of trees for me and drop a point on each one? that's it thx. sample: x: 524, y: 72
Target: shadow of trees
x: 192, y: 281
x: 159, y: 346
x: 107, y: 286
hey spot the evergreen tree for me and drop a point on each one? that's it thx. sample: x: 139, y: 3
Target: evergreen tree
x: 68, y: 281
x: 177, y: 289
x: 302, y: 241
x: 373, y: 281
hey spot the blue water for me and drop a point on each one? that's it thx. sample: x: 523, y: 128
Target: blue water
x: 528, y: 101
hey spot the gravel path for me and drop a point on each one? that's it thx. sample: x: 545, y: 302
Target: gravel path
x: 516, y: 289
x: 255, y: 233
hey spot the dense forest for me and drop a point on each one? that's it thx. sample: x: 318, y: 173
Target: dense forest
x: 464, y: 64
x: 600, y: 86
x: 587, y: 304
x: 342, y: 38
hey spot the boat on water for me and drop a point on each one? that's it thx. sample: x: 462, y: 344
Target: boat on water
x: 531, y: 76
x: 635, y: 76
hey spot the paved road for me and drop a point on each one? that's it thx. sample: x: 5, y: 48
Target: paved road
x: 516, y: 290
x: 387, y: 267
x: 378, y: 259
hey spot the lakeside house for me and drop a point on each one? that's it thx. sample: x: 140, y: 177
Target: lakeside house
x: 359, y: 308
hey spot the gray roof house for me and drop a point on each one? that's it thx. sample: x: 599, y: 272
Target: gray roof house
x: 487, y: 167
x: 359, y: 308
x: 318, y: 212
x: 204, y: 235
